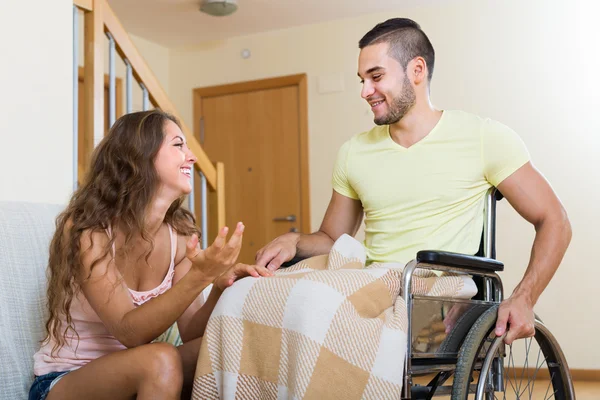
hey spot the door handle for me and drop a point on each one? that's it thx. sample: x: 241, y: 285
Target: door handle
x: 287, y: 218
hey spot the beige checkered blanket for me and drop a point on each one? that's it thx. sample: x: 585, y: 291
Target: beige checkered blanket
x: 325, y: 328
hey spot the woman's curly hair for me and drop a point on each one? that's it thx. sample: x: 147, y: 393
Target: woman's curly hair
x: 117, y: 191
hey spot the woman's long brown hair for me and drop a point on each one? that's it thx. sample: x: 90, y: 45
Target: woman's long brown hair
x: 117, y: 191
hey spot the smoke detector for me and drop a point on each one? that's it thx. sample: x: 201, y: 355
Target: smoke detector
x: 218, y: 8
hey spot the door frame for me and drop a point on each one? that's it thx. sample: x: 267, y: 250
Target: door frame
x: 298, y: 80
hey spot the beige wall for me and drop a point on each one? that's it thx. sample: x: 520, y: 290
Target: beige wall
x: 532, y: 65
x: 36, y: 102
x: 156, y: 56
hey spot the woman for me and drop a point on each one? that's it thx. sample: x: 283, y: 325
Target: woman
x: 125, y: 265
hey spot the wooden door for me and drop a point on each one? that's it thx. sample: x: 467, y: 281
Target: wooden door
x: 258, y: 134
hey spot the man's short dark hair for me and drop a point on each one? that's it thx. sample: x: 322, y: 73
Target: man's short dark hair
x: 406, y: 41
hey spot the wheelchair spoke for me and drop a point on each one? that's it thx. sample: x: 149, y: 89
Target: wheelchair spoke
x: 529, y: 380
x: 511, y: 358
x: 528, y: 343
x: 550, y: 384
x: 519, y: 386
x: 537, y: 368
x: 491, y: 366
x: 522, y: 384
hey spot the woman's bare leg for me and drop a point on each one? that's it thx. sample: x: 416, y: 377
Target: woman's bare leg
x: 151, y: 371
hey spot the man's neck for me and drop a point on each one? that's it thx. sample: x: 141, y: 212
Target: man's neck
x: 415, y: 125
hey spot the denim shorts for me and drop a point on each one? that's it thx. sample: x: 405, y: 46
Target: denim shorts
x: 42, y: 384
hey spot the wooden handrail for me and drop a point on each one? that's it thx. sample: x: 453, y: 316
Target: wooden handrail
x: 87, y: 5
x: 94, y: 78
x: 99, y: 19
x: 142, y: 73
x: 103, y: 19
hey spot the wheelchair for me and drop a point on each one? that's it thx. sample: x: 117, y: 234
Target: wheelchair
x: 480, y: 364
x: 470, y: 356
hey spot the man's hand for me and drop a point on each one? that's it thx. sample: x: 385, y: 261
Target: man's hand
x: 277, y: 252
x: 219, y: 256
x: 238, y: 271
x: 516, y: 314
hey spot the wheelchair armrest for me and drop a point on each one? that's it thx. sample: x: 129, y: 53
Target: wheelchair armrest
x: 292, y: 262
x: 458, y: 260
x: 447, y: 258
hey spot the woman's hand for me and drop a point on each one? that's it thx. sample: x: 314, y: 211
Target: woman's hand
x: 238, y: 271
x: 219, y: 256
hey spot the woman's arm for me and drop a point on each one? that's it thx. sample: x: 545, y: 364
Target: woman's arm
x: 109, y: 296
x: 192, y: 322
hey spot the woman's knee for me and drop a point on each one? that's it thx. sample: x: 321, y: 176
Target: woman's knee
x: 163, y: 364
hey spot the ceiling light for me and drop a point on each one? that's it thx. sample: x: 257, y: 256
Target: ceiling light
x: 218, y: 8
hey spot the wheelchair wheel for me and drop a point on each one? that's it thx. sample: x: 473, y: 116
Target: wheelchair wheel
x: 457, y: 335
x: 532, y: 368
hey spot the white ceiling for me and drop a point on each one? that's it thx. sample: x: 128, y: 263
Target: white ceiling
x: 174, y: 23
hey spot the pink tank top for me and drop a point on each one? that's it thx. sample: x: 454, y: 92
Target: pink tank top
x: 94, y: 339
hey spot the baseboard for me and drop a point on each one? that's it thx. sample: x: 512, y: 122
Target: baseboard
x: 577, y: 374
x: 588, y: 375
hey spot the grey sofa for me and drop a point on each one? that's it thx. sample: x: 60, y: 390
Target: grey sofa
x: 25, y: 233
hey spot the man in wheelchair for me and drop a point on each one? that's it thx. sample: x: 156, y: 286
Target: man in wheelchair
x: 420, y: 178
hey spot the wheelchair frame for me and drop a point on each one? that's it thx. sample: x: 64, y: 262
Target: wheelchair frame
x: 484, y: 266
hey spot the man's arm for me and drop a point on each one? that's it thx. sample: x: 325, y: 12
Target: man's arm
x: 533, y: 198
x: 343, y: 215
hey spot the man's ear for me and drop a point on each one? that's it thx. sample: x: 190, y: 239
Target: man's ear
x: 417, y: 70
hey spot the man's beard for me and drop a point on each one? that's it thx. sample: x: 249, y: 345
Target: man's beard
x: 400, y: 105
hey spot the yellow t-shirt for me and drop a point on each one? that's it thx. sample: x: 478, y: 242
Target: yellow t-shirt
x: 431, y: 195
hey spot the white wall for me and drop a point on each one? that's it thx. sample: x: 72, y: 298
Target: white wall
x: 36, y: 102
x: 530, y: 64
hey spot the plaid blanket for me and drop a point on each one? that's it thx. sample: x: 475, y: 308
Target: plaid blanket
x: 327, y: 327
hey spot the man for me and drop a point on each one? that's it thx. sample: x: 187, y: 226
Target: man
x: 421, y: 175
